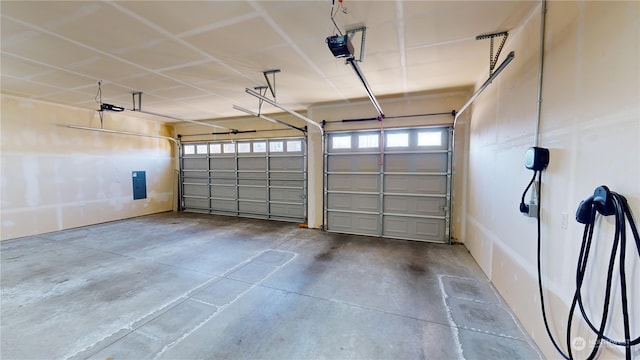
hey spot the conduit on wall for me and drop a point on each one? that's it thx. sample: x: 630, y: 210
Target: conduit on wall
x: 543, y: 12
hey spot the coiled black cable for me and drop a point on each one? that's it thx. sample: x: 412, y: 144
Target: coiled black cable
x: 617, y: 205
x: 539, y: 251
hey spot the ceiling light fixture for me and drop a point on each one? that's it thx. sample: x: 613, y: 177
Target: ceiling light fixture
x: 109, y: 107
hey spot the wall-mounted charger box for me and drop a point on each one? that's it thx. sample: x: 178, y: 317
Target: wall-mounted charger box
x: 536, y: 158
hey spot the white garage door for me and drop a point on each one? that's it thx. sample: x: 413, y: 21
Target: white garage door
x: 253, y: 178
x: 391, y: 183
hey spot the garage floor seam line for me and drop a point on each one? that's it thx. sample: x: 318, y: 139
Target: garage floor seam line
x: 221, y: 308
x: 144, y: 260
x: 62, y: 242
x: 139, y: 322
x: 501, y: 303
x: 147, y: 260
x: 452, y: 324
x: 355, y: 305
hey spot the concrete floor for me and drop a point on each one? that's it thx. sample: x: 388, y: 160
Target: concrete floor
x: 191, y: 286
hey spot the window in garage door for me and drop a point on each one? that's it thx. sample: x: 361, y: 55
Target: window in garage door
x: 391, y: 183
x: 264, y: 178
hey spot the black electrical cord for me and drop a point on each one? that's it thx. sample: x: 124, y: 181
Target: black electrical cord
x: 622, y: 212
x: 332, y: 17
x: 533, y: 178
x: 540, y: 287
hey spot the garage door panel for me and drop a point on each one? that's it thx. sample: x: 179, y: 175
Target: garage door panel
x: 194, y: 164
x: 223, y: 205
x: 249, y: 207
x: 252, y: 164
x: 432, y: 206
x: 252, y: 175
x: 288, y: 195
x: 415, y: 184
x: 293, y: 163
x: 288, y: 183
x: 219, y: 180
x: 228, y: 192
x: 363, y: 183
x: 355, y: 202
x: 196, y: 190
x: 430, y: 228
x: 354, y: 223
x: 196, y: 203
x: 286, y: 176
x: 194, y: 180
x: 252, y: 182
x: 414, y: 201
x: 247, y: 180
x: 287, y: 211
x: 414, y: 228
x: 252, y: 193
x: 222, y: 163
x: 416, y: 162
x: 357, y: 162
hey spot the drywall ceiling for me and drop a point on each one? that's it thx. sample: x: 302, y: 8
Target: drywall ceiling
x: 193, y: 59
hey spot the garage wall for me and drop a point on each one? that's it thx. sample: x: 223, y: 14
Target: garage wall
x: 56, y: 178
x: 591, y: 124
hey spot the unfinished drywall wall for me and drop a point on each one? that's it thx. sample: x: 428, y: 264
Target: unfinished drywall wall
x: 590, y: 121
x: 55, y: 178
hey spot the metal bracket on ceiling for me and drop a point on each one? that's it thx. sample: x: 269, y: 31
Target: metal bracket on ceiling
x: 263, y: 91
x: 137, y: 95
x: 493, y: 60
x: 272, y: 88
x: 363, y: 32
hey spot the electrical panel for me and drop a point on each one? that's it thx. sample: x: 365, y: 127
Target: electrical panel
x: 139, y: 179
